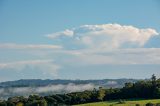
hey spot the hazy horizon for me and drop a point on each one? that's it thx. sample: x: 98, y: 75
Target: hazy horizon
x: 82, y: 79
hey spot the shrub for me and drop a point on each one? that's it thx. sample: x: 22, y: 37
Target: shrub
x: 137, y: 104
x: 3, y: 104
x: 150, y: 104
x: 158, y: 104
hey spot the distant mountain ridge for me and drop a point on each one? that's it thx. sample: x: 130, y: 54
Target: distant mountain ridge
x: 40, y: 82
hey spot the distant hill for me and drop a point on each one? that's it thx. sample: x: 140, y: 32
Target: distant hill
x: 38, y: 82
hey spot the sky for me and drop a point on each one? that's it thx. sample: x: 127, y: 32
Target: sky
x: 79, y: 39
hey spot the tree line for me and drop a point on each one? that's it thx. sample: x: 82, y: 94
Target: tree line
x: 144, y: 89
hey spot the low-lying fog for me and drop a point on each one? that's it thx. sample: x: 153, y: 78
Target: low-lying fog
x: 45, y: 90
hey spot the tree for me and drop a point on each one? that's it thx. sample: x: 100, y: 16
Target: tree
x: 154, y: 86
x: 153, y: 79
x: 101, y: 94
x: 128, y: 85
x: 50, y: 100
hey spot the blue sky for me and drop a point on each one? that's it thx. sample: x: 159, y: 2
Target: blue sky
x: 85, y: 39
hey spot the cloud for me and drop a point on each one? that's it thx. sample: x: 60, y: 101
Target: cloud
x: 67, y: 33
x: 42, y: 66
x: 28, y: 46
x: 106, y: 36
x: 115, y: 56
x: 85, y: 45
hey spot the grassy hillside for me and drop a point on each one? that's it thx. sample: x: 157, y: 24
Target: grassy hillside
x: 127, y: 103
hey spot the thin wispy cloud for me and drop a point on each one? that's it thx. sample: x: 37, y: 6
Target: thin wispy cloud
x: 43, y: 66
x: 68, y: 33
x: 117, y: 56
x: 28, y: 46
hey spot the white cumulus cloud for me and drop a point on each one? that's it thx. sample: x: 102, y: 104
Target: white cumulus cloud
x: 107, y: 36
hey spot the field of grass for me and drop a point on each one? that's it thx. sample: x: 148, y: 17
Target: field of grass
x: 127, y: 103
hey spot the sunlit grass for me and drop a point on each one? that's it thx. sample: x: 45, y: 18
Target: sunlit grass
x: 127, y: 103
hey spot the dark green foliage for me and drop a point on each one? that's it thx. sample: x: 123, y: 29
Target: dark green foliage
x: 101, y: 94
x: 158, y: 104
x: 3, y: 103
x: 150, y: 104
x: 138, y: 105
x: 36, y: 100
x: 58, y: 98
x: 50, y: 101
x: 10, y: 104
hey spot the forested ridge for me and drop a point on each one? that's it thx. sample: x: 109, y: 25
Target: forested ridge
x: 143, y: 89
x: 39, y: 82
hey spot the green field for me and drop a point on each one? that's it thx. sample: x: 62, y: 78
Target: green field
x: 127, y: 103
